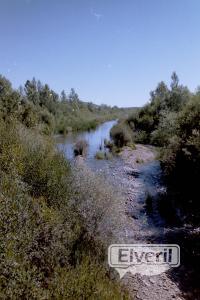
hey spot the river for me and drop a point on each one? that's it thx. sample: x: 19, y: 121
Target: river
x: 144, y: 224
x: 95, y: 140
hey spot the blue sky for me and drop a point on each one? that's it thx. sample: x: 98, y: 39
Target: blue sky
x: 110, y: 51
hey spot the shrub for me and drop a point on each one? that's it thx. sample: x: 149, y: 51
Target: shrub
x: 48, y: 221
x: 47, y: 122
x: 100, y: 155
x: 108, y: 155
x: 141, y: 136
x: 80, y: 148
x: 166, y: 129
x: 98, y: 202
x: 108, y: 144
x: 121, y: 135
x: 47, y: 249
x: 132, y: 146
x: 29, y: 115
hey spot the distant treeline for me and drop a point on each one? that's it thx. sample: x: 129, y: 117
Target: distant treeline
x: 37, y: 105
x: 171, y: 121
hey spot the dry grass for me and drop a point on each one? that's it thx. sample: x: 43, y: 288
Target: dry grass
x: 98, y: 202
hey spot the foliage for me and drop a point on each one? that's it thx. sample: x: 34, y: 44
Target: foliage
x: 171, y: 120
x: 37, y: 105
x: 181, y: 157
x: 80, y: 148
x: 100, y: 155
x: 47, y: 250
x: 121, y: 135
x: 9, y: 99
x: 155, y: 122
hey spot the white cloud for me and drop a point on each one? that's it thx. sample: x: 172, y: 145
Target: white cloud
x: 96, y: 15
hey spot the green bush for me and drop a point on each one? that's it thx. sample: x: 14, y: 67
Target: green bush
x: 37, y: 105
x: 171, y: 121
x: 121, y: 135
x: 80, y: 148
x: 167, y: 128
x: 156, y: 121
x: 46, y: 250
x: 49, y: 249
x: 100, y: 155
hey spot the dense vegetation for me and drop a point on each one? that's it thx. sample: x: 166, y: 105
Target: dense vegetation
x: 36, y: 105
x: 49, y: 248
x: 171, y: 120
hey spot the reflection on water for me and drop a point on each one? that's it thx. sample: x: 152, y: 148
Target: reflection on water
x: 153, y: 225
x: 95, y: 139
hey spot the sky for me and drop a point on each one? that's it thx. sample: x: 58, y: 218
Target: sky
x: 110, y: 51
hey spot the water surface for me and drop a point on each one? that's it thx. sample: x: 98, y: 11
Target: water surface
x: 95, y: 139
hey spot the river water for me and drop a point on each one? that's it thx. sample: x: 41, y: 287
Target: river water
x: 149, y: 179
x: 152, y: 224
x: 95, y: 139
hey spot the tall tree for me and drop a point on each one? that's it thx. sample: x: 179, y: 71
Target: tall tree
x: 9, y: 99
x: 63, y: 96
x: 31, y: 91
x: 74, y: 99
x: 175, y: 81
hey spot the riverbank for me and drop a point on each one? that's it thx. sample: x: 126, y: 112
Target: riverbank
x: 47, y: 250
x: 133, y: 175
x: 141, y: 154
x: 144, y: 175
x: 122, y: 186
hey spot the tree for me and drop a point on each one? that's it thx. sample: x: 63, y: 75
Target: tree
x: 31, y: 91
x: 9, y: 99
x: 179, y: 94
x: 29, y: 115
x: 74, y: 99
x: 175, y: 81
x: 63, y: 96
x: 73, y: 96
x: 159, y: 97
x: 48, y: 99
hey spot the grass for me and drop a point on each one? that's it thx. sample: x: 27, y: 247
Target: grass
x: 121, y: 135
x: 103, y: 155
x: 48, y: 247
x: 53, y: 223
x: 132, y: 146
x: 100, y: 155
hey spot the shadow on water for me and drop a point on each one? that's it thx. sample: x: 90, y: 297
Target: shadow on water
x: 159, y: 208
x: 161, y: 212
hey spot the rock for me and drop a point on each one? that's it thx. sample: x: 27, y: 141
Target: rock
x: 152, y: 280
x: 134, y: 217
x: 131, y: 171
